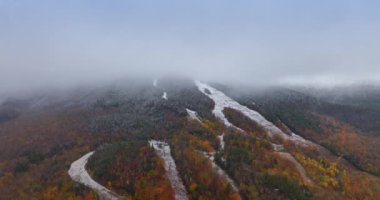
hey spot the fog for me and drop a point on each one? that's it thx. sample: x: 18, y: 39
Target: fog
x: 50, y: 44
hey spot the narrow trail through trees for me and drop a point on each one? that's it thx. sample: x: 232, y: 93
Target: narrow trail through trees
x: 163, y: 151
x: 222, y: 101
x: 211, y: 156
x: 79, y: 174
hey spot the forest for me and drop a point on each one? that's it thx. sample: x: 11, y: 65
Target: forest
x: 214, y: 161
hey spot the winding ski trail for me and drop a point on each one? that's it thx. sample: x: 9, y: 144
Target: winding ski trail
x: 79, y: 174
x: 163, y: 150
x: 220, y: 171
x: 222, y: 101
x: 211, y: 156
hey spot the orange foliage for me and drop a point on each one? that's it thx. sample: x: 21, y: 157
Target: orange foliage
x: 207, y: 146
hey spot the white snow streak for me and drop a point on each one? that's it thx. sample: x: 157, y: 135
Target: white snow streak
x: 222, y: 101
x: 193, y: 115
x: 221, y: 140
x: 165, y: 96
x: 79, y: 174
x: 163, y: 150
x: 220, y: 171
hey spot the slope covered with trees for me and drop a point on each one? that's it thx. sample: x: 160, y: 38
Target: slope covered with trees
x: 41, y: 136
x: 321, y: 121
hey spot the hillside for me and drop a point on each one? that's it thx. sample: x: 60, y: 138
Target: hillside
x: 179, y: 139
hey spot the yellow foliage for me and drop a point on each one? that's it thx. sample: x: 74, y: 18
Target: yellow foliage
x: 321, y: 171
x: 210, y: 125
x: 192, y: 186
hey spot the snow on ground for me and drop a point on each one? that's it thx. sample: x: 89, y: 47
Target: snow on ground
x: 221, y: 140
x: 193, y: 115
x: 222, y: 101
x: 278, y: 147
x: 163, y: 150
x: 155, y: 82
x: 79, y: 174
x: 165, y: 96
x: 220, y: 171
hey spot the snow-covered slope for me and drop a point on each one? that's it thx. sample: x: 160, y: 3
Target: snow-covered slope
x: 79, y: 174
x: 165, y: 96
x: 222, y: 101
x: 221, y: 172
x: 163, y: 150
x: 221, y: 140
x: 192, y: 115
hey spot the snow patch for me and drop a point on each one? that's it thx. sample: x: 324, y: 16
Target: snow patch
x: 221, y: 142
x: 163, y: 150
x: 220, y: 171
x: 193, y: 115
x: 155, y: 82
x: 278, y: 147
x: 79, y: 174
x: 222, y: 101
x: 165, y: 96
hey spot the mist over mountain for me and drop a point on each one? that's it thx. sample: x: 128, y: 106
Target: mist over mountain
x: 189, y: 100
x: 60, y: 44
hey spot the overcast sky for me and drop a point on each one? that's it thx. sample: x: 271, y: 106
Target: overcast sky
x: 55, y: 43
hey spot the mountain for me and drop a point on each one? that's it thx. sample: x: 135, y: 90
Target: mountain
x: 174, y: 138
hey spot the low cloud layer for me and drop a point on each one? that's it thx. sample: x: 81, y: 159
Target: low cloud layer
x: 46, y: 44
